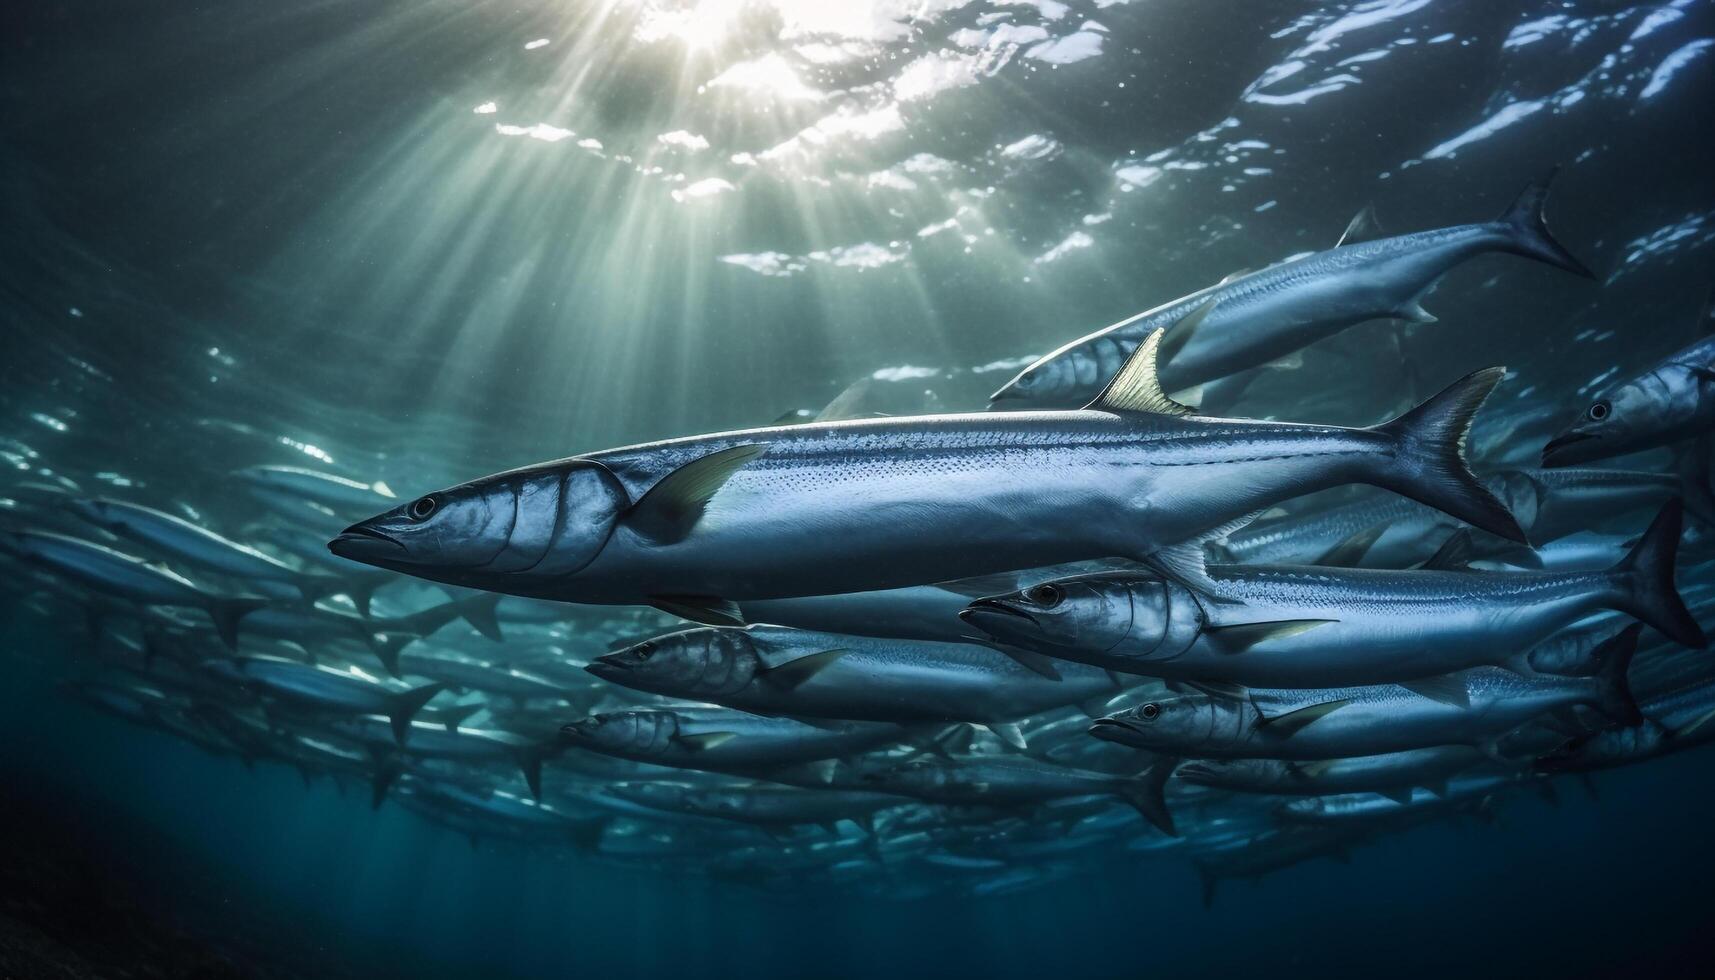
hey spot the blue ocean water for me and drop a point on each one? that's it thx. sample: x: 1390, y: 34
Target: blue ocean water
x: 412, y: 242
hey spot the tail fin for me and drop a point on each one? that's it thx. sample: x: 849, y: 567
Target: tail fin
x: 407, y: 704
x: 387, y: 647
x: 1147, y: 793
x: 455, y: 715
x: 1528, y: 232
x: 1429, y: 464
x: 1613, y: 657
x: 1645, y: 579
x: 360, y: 593
x: 227, y: 612
x: 477, y: 610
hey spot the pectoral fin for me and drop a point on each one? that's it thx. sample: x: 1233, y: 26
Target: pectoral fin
x: 1294, y: 721
x: 672, y: 507
x: 1029, y: 659
x: 792, y: 674
x: 1448, y: 689
x: 1240, y: 637
x: 704, y: 741
x: 1413, y: 312
x: 1454, y: 555
x: 707, y: 610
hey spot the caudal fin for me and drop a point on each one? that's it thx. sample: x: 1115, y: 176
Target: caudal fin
x: 1528, y: 233
x: 478, y: 611
x: 406, y: 705
x: 227, y: 612
x: 387, y: 647
x: 1645, y: 579
x: 1429, y: 461
x: 1613, y: 658
x: 1147, y: 793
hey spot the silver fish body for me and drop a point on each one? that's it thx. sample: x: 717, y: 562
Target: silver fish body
x: 878, y: 504
x: 1673, y: 400
x: 777, y: 671
x: 1265, y: 315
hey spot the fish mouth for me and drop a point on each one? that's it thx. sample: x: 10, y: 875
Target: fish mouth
x: 996, y: 613
x: 360, y: 542
x: 1112, y: 729
x: 607, y: 668
x: 1555, y: 451
x: 580, y: 730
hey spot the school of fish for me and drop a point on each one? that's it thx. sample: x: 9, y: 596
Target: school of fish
x: 964, y: 653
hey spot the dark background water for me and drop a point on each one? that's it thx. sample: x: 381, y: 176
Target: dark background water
x: 287, y: 216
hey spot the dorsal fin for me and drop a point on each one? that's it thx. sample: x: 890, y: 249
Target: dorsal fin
x: 708, y: 610
x: 1234, y: 276
x: 673, y: 505
x: 1362, y: 228
x: 1137, y: 388
x: 1454, y: 555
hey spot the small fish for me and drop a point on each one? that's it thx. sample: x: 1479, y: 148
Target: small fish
x: 1250, y: 319
x: 195, y: 545
x: 724, y: 740
x: 326, y: 690
x: 336, y: 493
x: 127, y: 577
x: 1672, y: 401
x: 1391, y: 774
x: 777, y: 671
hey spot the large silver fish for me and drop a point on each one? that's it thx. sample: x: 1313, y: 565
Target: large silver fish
x: 1360, y: 721
x: 690, y: 525
x: 1303, y: 626
x: 1251, y: 319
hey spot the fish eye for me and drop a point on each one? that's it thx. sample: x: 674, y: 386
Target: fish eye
x: 1150, y: 711
x: 1599, y: 411
x: 1026, y: 380
x: 1047, y: 595
x: 421, y: 508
